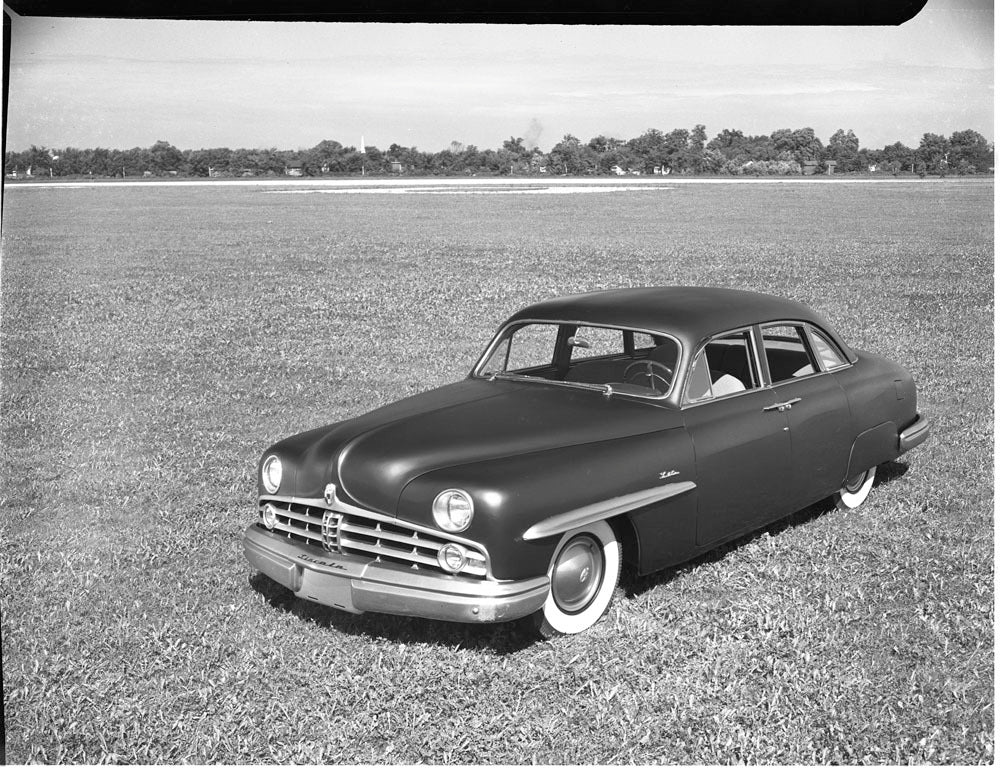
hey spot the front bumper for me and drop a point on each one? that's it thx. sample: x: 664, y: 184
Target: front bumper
x: 355, y: 584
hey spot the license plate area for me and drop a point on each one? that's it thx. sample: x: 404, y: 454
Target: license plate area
x: 330, y: 589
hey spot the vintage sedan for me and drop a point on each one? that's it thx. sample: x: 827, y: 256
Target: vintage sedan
x: 643, y: 426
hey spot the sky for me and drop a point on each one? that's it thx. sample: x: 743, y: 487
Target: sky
x: 201, y: 84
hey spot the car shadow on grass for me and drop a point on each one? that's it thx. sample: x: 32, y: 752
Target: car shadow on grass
x: 635, y: 584
x: 496, y: 638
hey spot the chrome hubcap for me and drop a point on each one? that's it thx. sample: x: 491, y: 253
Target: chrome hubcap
x: 577, y: 574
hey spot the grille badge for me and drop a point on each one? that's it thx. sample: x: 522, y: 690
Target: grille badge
x: 330, y: 493
x: 331, y: 531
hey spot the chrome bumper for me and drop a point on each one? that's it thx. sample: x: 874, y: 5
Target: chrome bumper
x: 914, y: 434
x: 356, y: 584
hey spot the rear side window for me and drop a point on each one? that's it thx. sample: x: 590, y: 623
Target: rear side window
x: 827, y: 353
x: 724, y: 367
x: 590, y: 342
x: 643, y: 341
x: 786, y: 352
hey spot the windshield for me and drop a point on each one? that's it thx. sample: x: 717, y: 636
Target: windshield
x: 613, y: 360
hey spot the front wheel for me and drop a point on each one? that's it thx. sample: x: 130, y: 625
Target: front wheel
x: 856, y: 490
x: 583, y: 576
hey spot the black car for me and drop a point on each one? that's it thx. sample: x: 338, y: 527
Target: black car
x: 646, y: 425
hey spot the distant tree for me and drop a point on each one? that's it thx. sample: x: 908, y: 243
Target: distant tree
x: 970, y: 151
x: 567, y: 156
x: 802, y: 144
x: 695, y: 158
x: 164, y: 157
x: 651, y: 149
x: 729, y: 143
x: 676, y: 153
x: 470, y: 160
x: 37, y: 159
x: 933, y: 151
x: 327, y: 154
x: 98, y: 161
x: 443, y: 161
x: 514, y: 156
x: 136, y: 161
x: 897, y: 157
x: 203, y: 162
x: 843, y: 148
x: 603, y: 144
x: 713, y: 161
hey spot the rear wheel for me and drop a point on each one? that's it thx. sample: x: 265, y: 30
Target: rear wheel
x: 856, y: 490
x: 583, y: 576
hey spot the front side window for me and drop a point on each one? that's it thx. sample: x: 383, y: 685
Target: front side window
x: 724, y: 367
x: 524, y: 349
x: 611, y: 360
x: 786, y: 352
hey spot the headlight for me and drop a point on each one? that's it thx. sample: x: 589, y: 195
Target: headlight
x: 452, y: 510
x: 270, y: 474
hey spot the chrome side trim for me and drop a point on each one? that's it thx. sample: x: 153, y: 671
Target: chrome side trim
x: 914, y: 434
x: 602, y: 510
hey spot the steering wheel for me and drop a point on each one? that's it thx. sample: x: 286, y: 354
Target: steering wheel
x: 651, y: 370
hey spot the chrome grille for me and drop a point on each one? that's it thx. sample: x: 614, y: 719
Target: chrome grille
x: 381, y: 538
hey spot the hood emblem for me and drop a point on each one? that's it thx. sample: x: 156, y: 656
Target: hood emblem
x: 665, y: 474
x: 330, y: 493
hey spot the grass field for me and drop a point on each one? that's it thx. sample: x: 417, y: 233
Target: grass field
x: 154, y: 341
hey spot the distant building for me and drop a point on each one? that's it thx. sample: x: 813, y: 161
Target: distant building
x: 809, y: 167
x: 830, y: 165
x: 617, y: 170
x: 293, y: 168
x: 395, y: 166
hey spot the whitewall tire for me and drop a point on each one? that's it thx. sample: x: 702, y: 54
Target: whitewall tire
x: 583, y: 575
x: 855, y: 491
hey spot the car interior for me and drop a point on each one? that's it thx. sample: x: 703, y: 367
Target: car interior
x: 645, y: 363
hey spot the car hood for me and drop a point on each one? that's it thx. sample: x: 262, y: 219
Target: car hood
x: 373, y: 457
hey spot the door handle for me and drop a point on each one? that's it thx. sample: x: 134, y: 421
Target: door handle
x: 784, y: 406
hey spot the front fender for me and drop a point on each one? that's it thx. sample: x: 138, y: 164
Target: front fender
x: 514, y: 495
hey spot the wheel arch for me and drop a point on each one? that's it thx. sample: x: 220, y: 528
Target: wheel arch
x: 628, y: 537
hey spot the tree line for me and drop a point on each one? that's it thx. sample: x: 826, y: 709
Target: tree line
x: 680, y: 151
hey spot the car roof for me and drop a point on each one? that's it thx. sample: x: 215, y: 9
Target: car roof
x: 691, y: 314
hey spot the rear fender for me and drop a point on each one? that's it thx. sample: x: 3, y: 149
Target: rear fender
x: 874, y: 446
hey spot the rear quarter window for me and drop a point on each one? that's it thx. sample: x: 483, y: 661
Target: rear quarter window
x: 826, y: 351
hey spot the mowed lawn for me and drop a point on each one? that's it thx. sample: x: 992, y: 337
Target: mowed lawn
x: 154, y: 341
